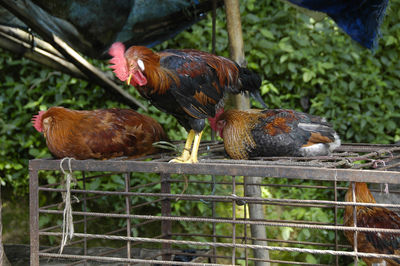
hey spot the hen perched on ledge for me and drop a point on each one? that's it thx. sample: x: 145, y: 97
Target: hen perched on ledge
x: 98, y: 134
x: 275, y: 132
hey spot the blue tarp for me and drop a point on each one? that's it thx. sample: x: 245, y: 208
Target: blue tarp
x: 90, y: 27
x: 360, y: 19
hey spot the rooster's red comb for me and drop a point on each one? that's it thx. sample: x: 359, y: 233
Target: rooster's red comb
x: 117, y: 51
x: 37, y: 121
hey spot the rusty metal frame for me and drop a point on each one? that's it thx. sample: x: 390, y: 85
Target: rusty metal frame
x: 362, y: 163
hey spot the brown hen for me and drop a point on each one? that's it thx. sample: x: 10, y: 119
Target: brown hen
x: 274, y: 132
x: 98, y: 134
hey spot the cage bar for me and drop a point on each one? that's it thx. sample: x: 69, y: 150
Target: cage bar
x: 215, y: 185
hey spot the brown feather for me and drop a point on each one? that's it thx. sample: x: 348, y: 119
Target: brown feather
x: 203, y: 99
x: 158, y: 77
x: 226, y: 70
x: 100, y: 134
x: 372, y: 217
x: 238, y: 132
x: 277, y: 126
x: 317, y: 138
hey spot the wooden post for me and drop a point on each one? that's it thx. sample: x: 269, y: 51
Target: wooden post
x: 34, y: 215
x: 3, y: 258
x: 236, y: 48
x: 256, y: 213
x: 90, y: 71
x: 242, y: 102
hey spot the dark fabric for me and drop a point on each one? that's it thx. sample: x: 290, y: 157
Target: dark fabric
x: 360, y: 19
x: 91, y: 27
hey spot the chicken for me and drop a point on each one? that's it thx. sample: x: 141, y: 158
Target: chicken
x: 372, y: 217
x: 98, y: 134
x: 188, y: 84
x: 275, y: 132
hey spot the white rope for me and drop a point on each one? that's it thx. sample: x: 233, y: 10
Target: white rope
x: 375, y: 165
x: 68, y: 223
x: 386, y: 184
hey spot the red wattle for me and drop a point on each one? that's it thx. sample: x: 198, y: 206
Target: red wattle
x: 139, y: 78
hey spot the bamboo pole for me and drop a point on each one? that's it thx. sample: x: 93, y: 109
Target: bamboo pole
x: 242, y: 102
x: 236, y: 47
x: 70, y: 54
x: 38, y: 54
x: 3, y: 258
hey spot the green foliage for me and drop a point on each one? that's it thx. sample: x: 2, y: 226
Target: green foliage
x: 26, y: 88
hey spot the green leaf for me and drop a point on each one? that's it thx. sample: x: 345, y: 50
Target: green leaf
x: 283, y: 58
x: 118, y: 179
x: 311, y: 259
x: 390, y: 40
x: 268, y: 34
x: 95, y: 184
x: 286, y: 47
x: 307, y: 76
x: 285, y: 232
x: 43, y: 220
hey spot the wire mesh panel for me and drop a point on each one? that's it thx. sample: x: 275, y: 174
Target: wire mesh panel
x: 277, y: 210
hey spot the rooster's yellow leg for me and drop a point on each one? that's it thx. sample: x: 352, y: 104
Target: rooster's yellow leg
x: 195, y: 150
x: 186, y: 151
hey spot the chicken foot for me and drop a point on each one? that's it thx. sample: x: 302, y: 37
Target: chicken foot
x: 187, y: 156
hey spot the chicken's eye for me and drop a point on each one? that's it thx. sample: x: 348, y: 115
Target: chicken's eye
x: 221, y: 123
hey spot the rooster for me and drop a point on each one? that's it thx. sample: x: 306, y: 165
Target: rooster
x: 188, y: 84
x: 372, y: 217
x: 275, y: 132
x: 98, y: 134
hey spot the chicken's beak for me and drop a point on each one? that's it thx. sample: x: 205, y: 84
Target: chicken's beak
x: 128, y: 81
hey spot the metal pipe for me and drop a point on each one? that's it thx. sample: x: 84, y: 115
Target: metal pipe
x: 228, y: 198
x: 233, y: 219
x: 238, y: 168
x: 257, y: 213
x: 34, y: 216
x: 166, y: 226
x: 127, y: 177
x: 84, y: 217
x: 336, y: 223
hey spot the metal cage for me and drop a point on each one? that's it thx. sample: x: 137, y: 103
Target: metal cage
x: 233, y: 223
